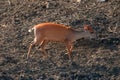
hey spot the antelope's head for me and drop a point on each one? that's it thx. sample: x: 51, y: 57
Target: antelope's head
x: 90, y: 30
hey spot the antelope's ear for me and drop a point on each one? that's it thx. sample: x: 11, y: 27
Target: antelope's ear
x: 86, y: 27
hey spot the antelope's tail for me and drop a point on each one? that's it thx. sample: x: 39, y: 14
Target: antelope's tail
x: 30, y: 30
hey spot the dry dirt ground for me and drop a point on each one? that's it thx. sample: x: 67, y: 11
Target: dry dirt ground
x: 91, y: 59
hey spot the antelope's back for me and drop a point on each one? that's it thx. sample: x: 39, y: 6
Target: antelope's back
x: 52, y: 31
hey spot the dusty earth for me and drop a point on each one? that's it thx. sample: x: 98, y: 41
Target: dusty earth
x: 97, y: 59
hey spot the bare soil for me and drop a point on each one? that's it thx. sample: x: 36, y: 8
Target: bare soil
x: 91, y: 59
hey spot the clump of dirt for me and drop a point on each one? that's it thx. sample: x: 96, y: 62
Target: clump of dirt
x: 91, y: 59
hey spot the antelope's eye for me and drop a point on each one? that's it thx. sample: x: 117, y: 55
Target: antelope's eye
x: 91, y: 32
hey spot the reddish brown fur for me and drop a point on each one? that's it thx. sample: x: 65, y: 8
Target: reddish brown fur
x: 46, y: 32
x: 87, y: 27
x: 52, y: 31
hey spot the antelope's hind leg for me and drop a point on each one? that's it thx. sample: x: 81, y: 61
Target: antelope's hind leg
x: 31, y: 45
x: 42, y: 46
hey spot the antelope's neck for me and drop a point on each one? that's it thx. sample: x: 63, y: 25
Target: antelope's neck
x: 79, y: 34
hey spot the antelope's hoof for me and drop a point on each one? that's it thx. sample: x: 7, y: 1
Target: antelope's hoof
x: 66, y: 53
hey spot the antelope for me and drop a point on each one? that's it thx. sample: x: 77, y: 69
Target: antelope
x: 46, y: 32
